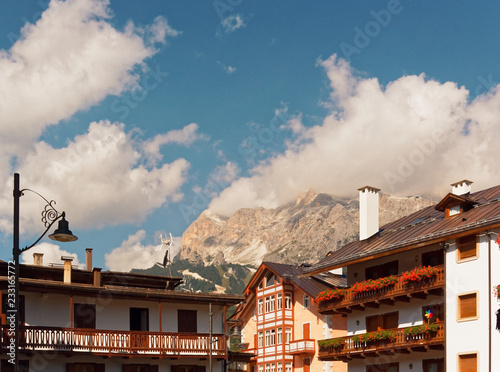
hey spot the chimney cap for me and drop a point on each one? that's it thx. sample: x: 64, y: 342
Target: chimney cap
x: 369, y: 188
x: 67, y: 258
x: 467, y: 182
x: 88, y: 249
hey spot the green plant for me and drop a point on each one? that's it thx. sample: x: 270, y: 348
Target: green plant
x: 332, y: 342
x: 417, y: 274
x: 330, y: 294
x: 425, y: 328
x: 388, y: 335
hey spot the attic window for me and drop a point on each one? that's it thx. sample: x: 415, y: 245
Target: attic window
x: 270, y: 279
x: 454, y: 210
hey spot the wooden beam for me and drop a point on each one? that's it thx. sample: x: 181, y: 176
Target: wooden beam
x: 387, y: 301
x: 419, y: 349
x: 372, y: 304
x: 436, y: 347
x: 402, y: 351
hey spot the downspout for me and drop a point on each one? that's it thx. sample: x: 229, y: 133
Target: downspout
x: 210, y: 314
x: 489, y: 299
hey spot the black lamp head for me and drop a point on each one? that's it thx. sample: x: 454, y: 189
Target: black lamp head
x: 63, y: 233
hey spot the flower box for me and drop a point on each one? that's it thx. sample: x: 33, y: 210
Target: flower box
x: 418, y: 274
x: 331, y: 294
x: 371, y: 285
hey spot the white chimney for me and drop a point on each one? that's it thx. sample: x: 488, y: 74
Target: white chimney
x: 368, y: 212
x: 67, y: 268
x: 38, y: 259
x: 461, y: 187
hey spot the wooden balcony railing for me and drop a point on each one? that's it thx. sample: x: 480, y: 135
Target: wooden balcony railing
x: 118, y: 342
x: 390, y: 294
x: 302, y: 347
x: 403, y: 344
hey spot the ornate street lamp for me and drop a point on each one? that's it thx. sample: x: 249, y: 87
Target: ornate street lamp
x: 62, y: 234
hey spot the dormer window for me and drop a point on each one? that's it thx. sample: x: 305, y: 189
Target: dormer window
x: 454, y: 210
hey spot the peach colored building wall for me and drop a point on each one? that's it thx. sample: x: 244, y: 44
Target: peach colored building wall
x: 321, y: 327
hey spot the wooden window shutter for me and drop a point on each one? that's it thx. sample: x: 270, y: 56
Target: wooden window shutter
x: 467, y: 247
x: 306, y: 331
x: 372, y: 323
x: 153, y: 368
x: 390, y: 320
x: 467, y: 305
x: 126, y: 368
x: 200, y: 368
x: 187, y: 321
x: 84, y: 316
x: 467, y: 363
x: 99, y: 367
x: 174, y: 368
x: 70, y: 367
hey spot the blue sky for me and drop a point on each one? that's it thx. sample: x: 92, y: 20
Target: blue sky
x: 136, y: 118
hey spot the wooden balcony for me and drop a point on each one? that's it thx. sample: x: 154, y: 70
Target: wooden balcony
x: 299, y: 347
x: 119, y: 343
x: 387, y: 295
x: 404, y: 344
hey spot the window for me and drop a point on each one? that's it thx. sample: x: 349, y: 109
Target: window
x: 267, y: 338
x: 139, y: 319
x: 139, y: 368
x: 85, y: 367
x: 187, y: 368
x: 271, y: 304
x: 288, y: 335
x: 382, y: 321
x: 433, y: 365
x: 436, y: 310
x: 267, y: 304
x: 288, y: 367
x: 261, y: 339
x: 279, y: 336
x: 273, y: 367
x: 84, y: 316
x: 278, y: 280
x: 261, y: 368
x: 288, y: 300
x: 467, y: 363
x: 433, y: 258
x: 381, y: 271
x: 307, y: 302
x: 467, y: 306
x: 267, y: 367
x: 467, y: 248
x: 260, y: 306
x: 260, y: 285
x: 270, y: 279
x: 279, y: 367
x: 279, y: 301
x: 187, y: 321
x: 272, y: 340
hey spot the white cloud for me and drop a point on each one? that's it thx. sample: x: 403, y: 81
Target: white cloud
x: 132, y: 254
x: 98, y: 180
x: 233, y: 23
x: 71, y: 59
x: 185, y: 136
x: 229, y: 69
x: 406, y: 138
x: 51, y: 255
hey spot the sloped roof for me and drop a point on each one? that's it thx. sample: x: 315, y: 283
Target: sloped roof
x: 312, y: 285
x: 427, y: 226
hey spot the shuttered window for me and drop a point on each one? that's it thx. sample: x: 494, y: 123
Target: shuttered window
x: 467, y: 306
x: 467, y: 247
x: 381, y: 322
x: 84, y: 316
x: 187, y: 321
x: 467, y: 363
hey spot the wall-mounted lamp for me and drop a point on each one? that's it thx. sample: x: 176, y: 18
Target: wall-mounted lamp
x: 411, y: 366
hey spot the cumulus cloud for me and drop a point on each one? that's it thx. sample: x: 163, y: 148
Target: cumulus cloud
x: 98, y: 178
x: 185, y: 137
x: 132, y: 254
x: 413, y: 136
x: 51, y: 255
x: 71, y: 59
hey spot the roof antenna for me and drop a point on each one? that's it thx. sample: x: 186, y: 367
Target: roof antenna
x: 167, y: 243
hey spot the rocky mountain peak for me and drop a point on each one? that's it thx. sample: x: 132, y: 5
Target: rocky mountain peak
x: 294, y: 233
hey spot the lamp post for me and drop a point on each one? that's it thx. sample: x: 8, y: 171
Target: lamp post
x: 62, y: 234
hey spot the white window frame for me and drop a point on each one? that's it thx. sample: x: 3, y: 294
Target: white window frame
x: 279, y: 336
x: 288, y: 300
x: 267, y: 338
x: 271, y: 303
x: 261, y: 339
x: 279, y: 301
x: 279, y: 367
x: 266, y: 301
x: 260, y: 306
x: 288, y: 335
x: 306, y: 301
x: 288, y: 367
x: 272, y: 337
